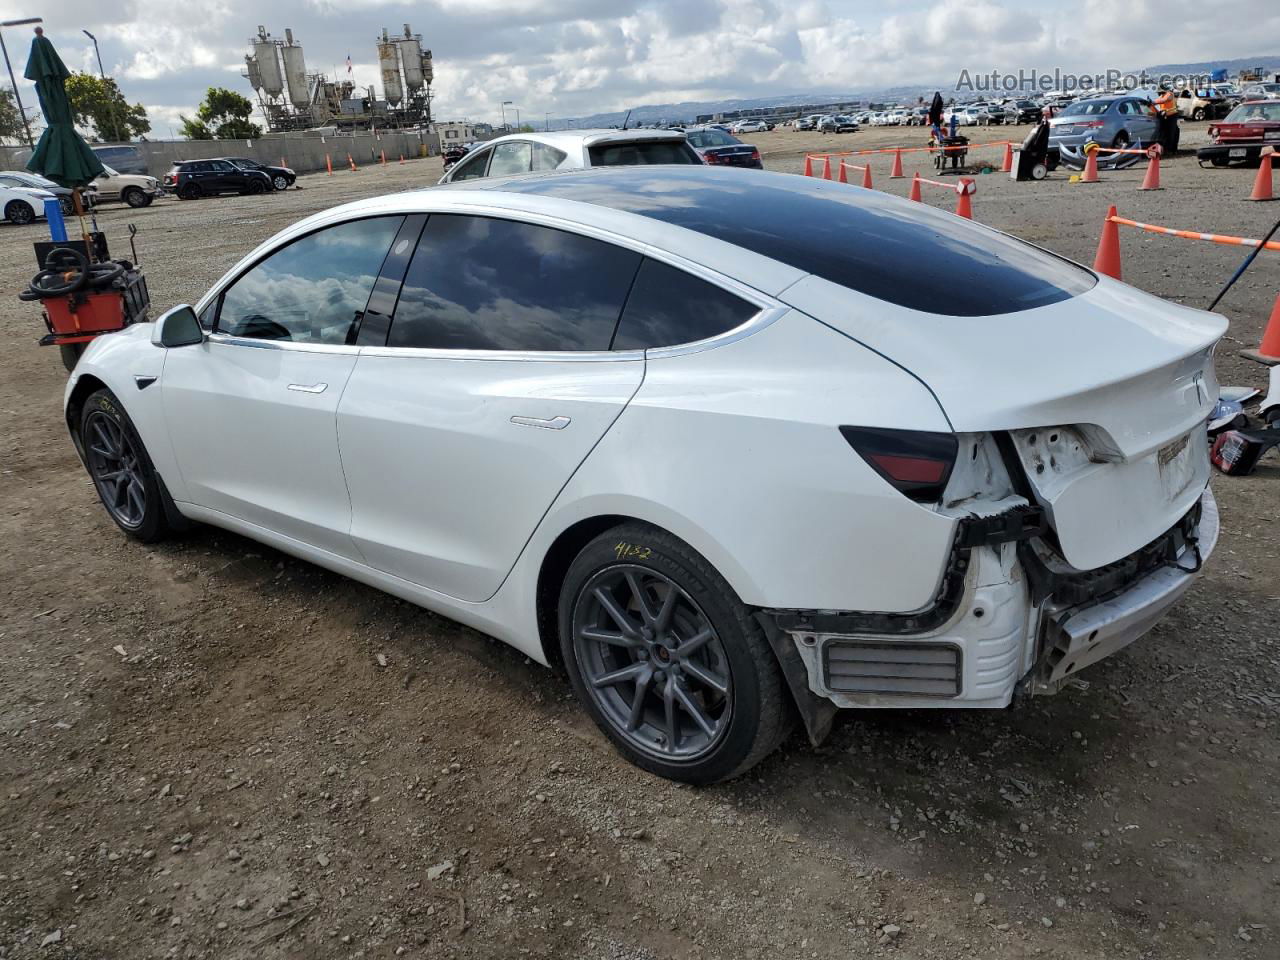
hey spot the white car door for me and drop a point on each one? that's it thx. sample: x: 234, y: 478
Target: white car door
x: 251, y: 411
x: 494, y: 385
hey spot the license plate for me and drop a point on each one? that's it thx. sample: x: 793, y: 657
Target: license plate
x: 1237, y: 153
x: 1177, y: 469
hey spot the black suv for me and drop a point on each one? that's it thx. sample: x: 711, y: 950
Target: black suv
x: 282, y: 178
x: 190, y: 179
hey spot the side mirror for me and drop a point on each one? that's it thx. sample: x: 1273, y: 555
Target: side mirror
x: 177, y: 328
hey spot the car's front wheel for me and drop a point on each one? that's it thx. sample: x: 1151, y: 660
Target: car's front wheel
x: 122, y: 472
x: 19, y: 212
x: 134, y: 197
x: 280, y: 182
x: 667, y: 660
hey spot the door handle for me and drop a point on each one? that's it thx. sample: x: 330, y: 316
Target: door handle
x: 309, y: 388
x: 553, y: 423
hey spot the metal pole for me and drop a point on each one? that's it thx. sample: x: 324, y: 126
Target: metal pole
x: 16, y: 95
x: 504, y: 114
x: 103, y: 74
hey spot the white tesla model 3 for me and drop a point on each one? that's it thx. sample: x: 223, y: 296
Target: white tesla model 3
x: 735, y: 447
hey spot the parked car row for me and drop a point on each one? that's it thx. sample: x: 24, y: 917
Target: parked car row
x: 192, y: 179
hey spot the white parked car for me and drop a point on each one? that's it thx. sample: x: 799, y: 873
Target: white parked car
x: 571, y: 150
x: 750, y: 126
x: 23, y: 204
x: 713, y: 440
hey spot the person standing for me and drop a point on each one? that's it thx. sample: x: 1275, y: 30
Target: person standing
x: 1166, y: 111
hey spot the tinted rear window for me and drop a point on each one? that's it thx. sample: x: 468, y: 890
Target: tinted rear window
x: 897, y: 251
x: 668, y: 307
x: 479, y: 283
x: 644, y: 152
x: 1086, y: 108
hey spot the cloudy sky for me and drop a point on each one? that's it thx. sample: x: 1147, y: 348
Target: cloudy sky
x: 574, y: 57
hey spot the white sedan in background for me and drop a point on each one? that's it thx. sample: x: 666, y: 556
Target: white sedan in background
x: 572, y: 150
x: 23, y: 204
x: 711, y: 439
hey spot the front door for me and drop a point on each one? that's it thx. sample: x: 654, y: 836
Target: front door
x: 495, y: 383
x: 251, y: 411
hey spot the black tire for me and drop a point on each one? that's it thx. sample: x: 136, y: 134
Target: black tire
x: 134, y: 197
x: 256, y: 186
x: 122, y: 472
x: 1220, y: 162
x: 280, y: 182
x: 751, y: 715
x: 190, y: 191
x: 70, y: 354
x: 1197, y: 113
x: 1121, y: 141
x: 66, y: 205
x: 20, y: 213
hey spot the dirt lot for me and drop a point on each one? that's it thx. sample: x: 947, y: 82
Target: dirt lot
x: 201, y: 755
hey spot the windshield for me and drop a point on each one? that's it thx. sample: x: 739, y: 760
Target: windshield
x: 642, y: 153
x: 1086, y: 108
x: 1254, y: 111
x: 710, y: 138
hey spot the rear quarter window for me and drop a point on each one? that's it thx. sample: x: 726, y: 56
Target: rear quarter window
x: 668, y: 307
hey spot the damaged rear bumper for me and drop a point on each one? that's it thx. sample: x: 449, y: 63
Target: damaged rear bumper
x: 1002, y: 622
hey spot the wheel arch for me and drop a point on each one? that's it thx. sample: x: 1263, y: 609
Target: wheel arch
x: 85, y: 386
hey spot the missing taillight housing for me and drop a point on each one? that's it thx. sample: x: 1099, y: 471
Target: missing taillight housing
x: 917, y: 463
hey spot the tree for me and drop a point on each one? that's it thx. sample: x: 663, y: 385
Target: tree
x: 10, y: 119
x: 99, y: 104
x: 224, y: 114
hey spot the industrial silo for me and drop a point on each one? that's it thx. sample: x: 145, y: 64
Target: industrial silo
x: 252, y: 71
x: 264, y: 52
x: 389, y: 64
x: 427, y: 72
x: 295, y: 72
x: 411, y: 54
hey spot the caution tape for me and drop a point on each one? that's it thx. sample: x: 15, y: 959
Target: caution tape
x: 1192, y: 235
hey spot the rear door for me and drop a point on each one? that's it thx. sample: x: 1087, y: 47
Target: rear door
x: 494, y: 384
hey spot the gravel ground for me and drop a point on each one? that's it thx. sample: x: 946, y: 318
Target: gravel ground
x: 208, y: 749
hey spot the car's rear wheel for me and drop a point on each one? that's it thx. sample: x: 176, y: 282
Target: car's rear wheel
x: 122, y: 472
x: 190, y: 191
x: 1220, y: 161
x: 255, y: 187
x: 281, y: 182
x: 134, y: 197
x: 19, y: 212
x: 1197, y: 113
x: 667, y: 660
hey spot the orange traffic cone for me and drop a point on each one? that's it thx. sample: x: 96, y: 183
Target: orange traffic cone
x: 866, y: 176
x: 808, y: 165
x: 1090, y: 174
x: 964, y: 207
x: 843, y: 177
x: 384, y: 157
x: 1268, y: 351
x: 915, y: 189
x: 896, y: 173
x: 1006, y: 164
x: 1107, y: 260
x: 402, y: 159
x: 1262, y: 185
x: 282, y: 163
x: 826, y: 168
x: 351, y: 160
x: 1152, y: 180
x: 328, y: 164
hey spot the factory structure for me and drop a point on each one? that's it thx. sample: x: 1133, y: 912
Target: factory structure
x: 293, y: 99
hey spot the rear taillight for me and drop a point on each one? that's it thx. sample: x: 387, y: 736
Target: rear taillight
x: 711, y: 158
x: 916, y: 462
x: 1090, y: 123
x: 755, y: 154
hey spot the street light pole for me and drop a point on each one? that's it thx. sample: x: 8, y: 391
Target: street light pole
x: 103, y: 74
x: 505, y: 104
x: 16, y: 95
x: 546, y: 122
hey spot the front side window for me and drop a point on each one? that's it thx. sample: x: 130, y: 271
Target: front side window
x: 472, y: 168
x: 312, y: 291
x: 510, y: 158
x: 642, y: 153
x: 668, y: 307
x: 481, y: 283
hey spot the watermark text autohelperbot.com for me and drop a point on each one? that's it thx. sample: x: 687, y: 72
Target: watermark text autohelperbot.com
x: 1043, y: 81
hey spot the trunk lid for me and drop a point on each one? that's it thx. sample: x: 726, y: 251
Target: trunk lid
x: 1105, y: 395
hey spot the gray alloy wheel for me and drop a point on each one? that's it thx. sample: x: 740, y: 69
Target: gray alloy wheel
x: 281, y: 182
x: 19, y: 213
x: 652, y: 663
x: 136, y: 198
x: 116, y: 469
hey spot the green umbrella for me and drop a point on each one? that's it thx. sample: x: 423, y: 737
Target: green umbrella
x: 61, y: 155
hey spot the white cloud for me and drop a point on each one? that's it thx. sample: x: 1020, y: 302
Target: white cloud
x: 571, y: 57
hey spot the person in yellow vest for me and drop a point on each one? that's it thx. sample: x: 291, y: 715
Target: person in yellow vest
x: 1166, y: 111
